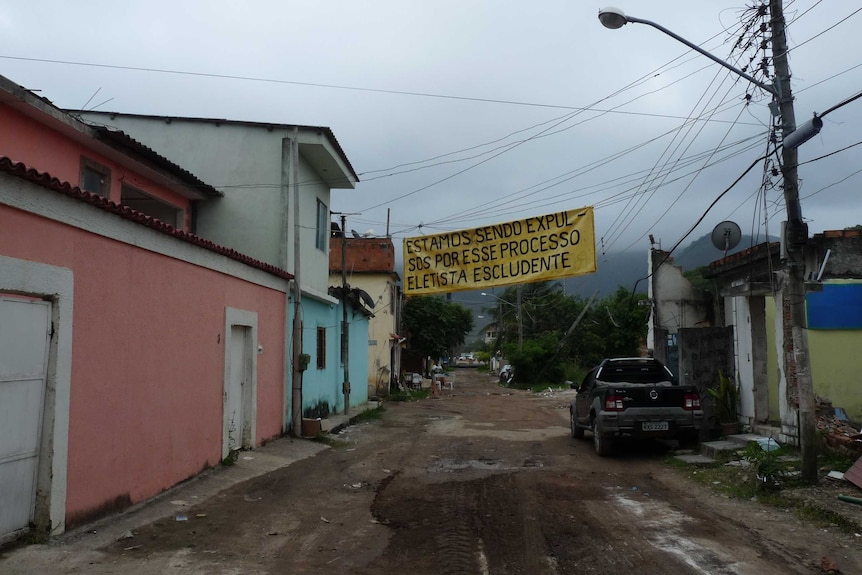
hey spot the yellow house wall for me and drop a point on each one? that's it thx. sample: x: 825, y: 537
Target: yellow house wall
x: 836, y: 365
x: 380, y: 327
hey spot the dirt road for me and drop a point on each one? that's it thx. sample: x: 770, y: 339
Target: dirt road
x: 482, y: 480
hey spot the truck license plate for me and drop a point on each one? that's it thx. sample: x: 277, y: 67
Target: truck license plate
x: 654, y: 426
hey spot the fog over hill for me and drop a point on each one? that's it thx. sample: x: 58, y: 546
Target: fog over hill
x: 613, y: 270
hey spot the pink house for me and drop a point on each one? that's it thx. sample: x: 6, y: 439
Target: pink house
x: 133, y: 354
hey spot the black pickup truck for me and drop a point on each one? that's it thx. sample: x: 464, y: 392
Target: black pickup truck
x: 636, y: 397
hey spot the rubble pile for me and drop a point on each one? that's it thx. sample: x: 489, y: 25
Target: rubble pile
x: 836, y: 428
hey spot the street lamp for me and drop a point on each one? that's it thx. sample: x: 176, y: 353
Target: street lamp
x: 517, y: 307
x: 796, y: 359
x: 614, y: 18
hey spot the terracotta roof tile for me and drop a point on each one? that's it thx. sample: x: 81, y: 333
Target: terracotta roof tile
x: 48, y: 181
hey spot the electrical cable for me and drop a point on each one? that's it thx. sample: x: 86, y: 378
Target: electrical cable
x: 825, y: 31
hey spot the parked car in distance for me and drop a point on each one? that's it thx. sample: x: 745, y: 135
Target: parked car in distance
x: 637, y: 397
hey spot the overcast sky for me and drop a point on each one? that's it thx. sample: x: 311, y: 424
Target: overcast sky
x: 463, y: 113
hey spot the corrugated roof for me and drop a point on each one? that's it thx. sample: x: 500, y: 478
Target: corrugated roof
x: 218, y: 121
x: 121, y: 141
x: 48, y: 181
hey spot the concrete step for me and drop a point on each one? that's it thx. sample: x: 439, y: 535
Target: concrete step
x: 710, y: 450
x: 714, y: 448
x: 694, y: 458
x: 743, y: 439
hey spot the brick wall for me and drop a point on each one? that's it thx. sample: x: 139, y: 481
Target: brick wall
x: 363, y: 254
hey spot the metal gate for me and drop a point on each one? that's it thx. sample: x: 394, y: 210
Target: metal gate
x: 25, y: 327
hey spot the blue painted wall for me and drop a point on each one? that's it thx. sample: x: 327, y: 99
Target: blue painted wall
x: 838, y: 306
x: 322, y: 388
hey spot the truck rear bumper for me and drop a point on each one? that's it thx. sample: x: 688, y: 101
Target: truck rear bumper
x: 651, y: 422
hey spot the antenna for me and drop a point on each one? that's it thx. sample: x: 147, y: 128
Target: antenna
x: 726, y: 236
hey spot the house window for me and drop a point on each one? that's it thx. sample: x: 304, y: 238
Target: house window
x: 321, y: 348
x: 151, y: 206
x: 322, y: 226
x: 95, y: 177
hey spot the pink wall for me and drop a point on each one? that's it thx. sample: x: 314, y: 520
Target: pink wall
x: 25, y: 140
x: 148, y: 361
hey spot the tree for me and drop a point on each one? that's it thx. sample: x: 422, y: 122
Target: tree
x: 436, y: 326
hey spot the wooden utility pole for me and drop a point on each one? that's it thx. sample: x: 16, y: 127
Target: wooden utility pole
x: 797, y: 364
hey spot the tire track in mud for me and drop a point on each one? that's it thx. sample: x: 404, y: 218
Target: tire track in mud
x: 457, y: 541
x: 434, y: 526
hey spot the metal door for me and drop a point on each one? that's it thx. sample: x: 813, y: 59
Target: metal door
x: 25, y: 327
x: 237, y: 407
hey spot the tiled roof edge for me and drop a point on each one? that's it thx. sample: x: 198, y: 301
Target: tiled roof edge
x: 48, y: 181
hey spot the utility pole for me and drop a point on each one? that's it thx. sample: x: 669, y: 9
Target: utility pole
x: 797, y: 364
x: 296, y: 396
x: 345, y: 326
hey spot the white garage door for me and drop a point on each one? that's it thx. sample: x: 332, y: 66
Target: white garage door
x: 24, y: 334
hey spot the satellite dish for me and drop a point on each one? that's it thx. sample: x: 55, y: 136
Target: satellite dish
x: 726, y: 236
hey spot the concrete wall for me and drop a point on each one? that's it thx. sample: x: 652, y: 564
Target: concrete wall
x: 703, y: 353
x: 675, y: 302
x: 147, y: 374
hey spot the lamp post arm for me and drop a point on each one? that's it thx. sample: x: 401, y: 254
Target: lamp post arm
x: 771, y: 89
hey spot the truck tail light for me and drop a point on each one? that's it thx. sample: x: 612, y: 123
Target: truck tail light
x: 691, y: 401
x: 614, y: 403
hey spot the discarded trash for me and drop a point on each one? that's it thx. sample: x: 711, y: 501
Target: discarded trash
x: 248, y: 458
x: 356, y: 485
x: 324, y: 519
x: 634, y: 488
x: 182, y: 518
x: 200, y: 515
x: 126, y: 535
x: 133, y: 547
x: 768, y: 444
x: 836, y: 475
x: 386, y: 471
x: 272, y: 533
x: 179, y: 502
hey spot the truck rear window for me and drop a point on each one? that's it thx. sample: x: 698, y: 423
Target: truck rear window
x: 638, y: 373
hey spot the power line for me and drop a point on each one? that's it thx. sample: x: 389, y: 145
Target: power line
x: 290, y: 82
x: 826, y: 30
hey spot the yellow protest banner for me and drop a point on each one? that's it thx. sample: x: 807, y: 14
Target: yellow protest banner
x: 534, y: 249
